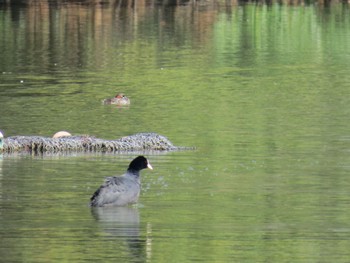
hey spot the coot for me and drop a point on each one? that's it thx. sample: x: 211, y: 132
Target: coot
x: 121, y: 190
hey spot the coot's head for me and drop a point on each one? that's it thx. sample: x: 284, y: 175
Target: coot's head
x: 140, y: 163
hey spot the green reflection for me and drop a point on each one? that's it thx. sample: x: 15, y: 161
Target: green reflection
x: 260, y: 90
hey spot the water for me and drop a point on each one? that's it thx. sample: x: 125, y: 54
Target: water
x: 260, y: 90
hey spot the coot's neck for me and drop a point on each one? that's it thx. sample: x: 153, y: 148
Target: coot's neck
x: 133, y: 173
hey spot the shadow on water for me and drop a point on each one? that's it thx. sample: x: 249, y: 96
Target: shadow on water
x: 122, y: 224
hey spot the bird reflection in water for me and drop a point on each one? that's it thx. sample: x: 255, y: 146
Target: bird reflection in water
x: 123, y: 223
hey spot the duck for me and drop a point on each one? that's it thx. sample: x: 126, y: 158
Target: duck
x: 119, y: 99
x: 121, y: 190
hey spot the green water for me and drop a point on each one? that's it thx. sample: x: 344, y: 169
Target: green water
x: 261, y: 90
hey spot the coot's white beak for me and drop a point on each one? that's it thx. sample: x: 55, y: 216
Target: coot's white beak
x: 149, y: 166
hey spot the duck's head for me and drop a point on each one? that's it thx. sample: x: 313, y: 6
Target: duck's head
x: 121, y: 99
x: 120, y: 96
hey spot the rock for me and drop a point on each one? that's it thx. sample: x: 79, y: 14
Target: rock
x: 61, y: 134
x: 136, y: 142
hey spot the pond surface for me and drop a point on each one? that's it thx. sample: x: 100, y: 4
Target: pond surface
x: 261, y: 91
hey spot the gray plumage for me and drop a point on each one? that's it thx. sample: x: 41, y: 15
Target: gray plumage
x: 121, y: 190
